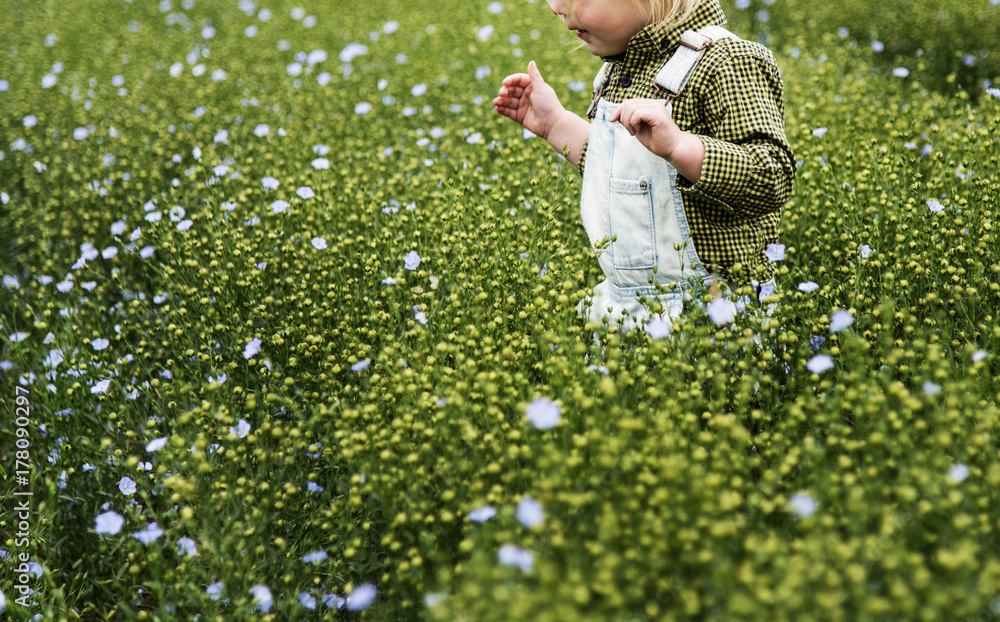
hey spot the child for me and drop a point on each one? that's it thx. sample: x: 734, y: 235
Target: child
x: 685, y: 163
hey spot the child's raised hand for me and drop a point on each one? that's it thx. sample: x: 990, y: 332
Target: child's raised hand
x: 529, y: 100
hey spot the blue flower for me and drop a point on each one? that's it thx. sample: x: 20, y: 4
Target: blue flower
x: 149, y: 534
x: 361, y: 597
x: 411, y: 261
x: 262, y: 594
x: 543, y: 413
x: 529, y: 512
x: 802, y: 505
x: 722, y: 311
x: 308, y: 600
x: 127, y: 486
x: 510, y: 555
x: 252, y: 348
x: 819, y: 363
x: 483, y: 514
x: 109, y: 523
x: 156, y: 444
x: 315, y: 557
x: 186, y: 546
x: 840, y: 320
x: 658, y: 328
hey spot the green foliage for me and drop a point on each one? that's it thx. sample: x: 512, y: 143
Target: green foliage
x: 945, y: 45
x: 711, y: 474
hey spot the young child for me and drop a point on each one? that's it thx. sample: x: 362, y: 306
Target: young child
x: 685, y: 162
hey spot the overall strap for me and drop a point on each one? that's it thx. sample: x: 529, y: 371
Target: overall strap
x: 676, y: 72
x: 599, y: 83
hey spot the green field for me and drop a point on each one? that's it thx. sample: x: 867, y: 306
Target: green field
x: 285, y: 303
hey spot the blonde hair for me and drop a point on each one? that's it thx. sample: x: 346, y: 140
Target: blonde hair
x: 677, y: 11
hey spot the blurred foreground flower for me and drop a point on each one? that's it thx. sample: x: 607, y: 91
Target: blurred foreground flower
x: 722, y: 311
x: 819, y: 363
x: 483, y: 514
x: 262, y: 594
x: 543, y: 413
x: 529, y: 512
x: 361, y: 597
x: 802, y: 505
x: 958, y: 473
x: 510, y: 555
x: 840, y: 320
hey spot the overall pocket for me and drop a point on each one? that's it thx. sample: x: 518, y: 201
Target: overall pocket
x: 630, y: 212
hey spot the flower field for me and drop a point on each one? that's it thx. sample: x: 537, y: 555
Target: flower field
x: 288, y: 329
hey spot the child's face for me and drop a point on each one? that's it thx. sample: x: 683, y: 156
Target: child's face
x: 604, y: 25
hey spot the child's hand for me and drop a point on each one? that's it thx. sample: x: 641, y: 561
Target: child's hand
x: 527, y: 99
x: 649, y: 120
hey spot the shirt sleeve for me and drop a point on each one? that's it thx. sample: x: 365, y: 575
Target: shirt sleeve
x: 749, y: 168
x: 583, y: 157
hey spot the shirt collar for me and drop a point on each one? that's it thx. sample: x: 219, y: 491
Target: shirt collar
x: 655, y: 39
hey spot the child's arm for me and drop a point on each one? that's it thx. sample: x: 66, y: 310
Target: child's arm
x: 527, y: 99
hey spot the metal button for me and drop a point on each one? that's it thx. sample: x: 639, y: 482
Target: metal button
x: 643, y: 184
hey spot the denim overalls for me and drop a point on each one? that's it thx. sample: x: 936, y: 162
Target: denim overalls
x: 632, y: 208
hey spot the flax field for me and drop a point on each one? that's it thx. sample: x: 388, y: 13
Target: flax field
x: 288, y: 328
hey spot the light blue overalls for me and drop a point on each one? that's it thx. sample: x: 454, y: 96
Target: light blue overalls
x: 633, y: 211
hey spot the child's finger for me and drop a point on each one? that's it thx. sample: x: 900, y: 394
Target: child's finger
x: 517, y: 79
x: 533, y: 72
